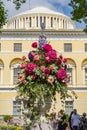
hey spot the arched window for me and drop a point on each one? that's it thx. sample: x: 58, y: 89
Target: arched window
x: 1, y: 72
x: 15, y: 71
x: 85, y: 73
x: 71, y: 73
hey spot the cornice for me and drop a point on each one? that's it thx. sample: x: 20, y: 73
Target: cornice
x: 17, y: 34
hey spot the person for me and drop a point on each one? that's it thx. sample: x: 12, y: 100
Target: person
x: 75, y: 120
x: 62, y: 122
x: 69, y: 121
x: 83, y: 122
x: 10, y: 121
x: 54, y: 121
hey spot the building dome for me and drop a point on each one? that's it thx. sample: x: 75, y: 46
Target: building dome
x: 32, y: 19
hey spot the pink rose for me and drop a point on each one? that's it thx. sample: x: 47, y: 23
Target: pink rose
x: 42, y: 68
x: 50, y: 79
x: 61, y: 74
x: 34, y: 44
x: 24, y: 81
x: 51, y: 67
x: 21, y: 77
x: 51, y: 56
x: 30, y: 68
x: 23, y: 65
x: 47, y: 47
x: 23, y: 57
x: 36, y: 57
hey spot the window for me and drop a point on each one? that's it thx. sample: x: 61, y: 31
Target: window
x: 85, y: 47
x: 85, y: 75
x: 17, y: 47
x: 16, y: 71
x: 17, y: 108
x: 67, y: 47
x: 69, y: 71
x: 68, y: 107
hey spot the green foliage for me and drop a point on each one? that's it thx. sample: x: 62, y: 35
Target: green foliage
x: 3, y: 14
x: 67, y: 118
x: 6, y: 118
x: 79, y: 12
x: 19, y: 128
x: 18, y: 3
x: 8, y: 127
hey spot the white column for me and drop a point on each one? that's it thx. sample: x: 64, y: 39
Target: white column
x: 11, y: 76
x: 35, y: 22
x: 25, y: 22
x: 39, y: 21
x: 83, y: 69
x: 19, y: 23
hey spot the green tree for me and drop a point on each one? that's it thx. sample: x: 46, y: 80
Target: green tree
x: 79, y: 12
x: 17, y: 3
x: 3, y: 14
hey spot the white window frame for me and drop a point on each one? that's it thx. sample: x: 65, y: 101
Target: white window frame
x: 72, y: 66
x: 15, y: 65
x: 16, y: 108
x: 68, y: 106
x: 1, y: 73
x: 84, y: 67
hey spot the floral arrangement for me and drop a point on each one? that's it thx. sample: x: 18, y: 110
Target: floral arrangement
x: 43, y: 75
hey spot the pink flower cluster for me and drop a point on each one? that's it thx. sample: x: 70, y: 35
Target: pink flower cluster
x: 43, y: 66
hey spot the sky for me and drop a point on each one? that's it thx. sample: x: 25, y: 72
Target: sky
x: 56, y: 5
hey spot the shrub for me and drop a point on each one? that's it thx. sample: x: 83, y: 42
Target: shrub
x: 6, y: 118
x: 8, y: 127
x: 19, y: 128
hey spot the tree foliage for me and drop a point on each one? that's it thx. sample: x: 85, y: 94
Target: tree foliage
x: 17, y: 3
x: 79, y: 12
x: 3, y: 14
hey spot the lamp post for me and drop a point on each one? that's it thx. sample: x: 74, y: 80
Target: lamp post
x: 42, y: 37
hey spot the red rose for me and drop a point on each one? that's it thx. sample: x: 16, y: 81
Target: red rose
x: 64, y: 60
x: 47, y: 71
x: 34, y: 44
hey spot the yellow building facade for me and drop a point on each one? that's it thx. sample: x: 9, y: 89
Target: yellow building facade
x: 15, y: 41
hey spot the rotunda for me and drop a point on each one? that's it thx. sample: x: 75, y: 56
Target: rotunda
x: 32, y: 19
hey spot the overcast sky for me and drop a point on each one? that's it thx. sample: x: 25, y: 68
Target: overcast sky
x: 57, y: 5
